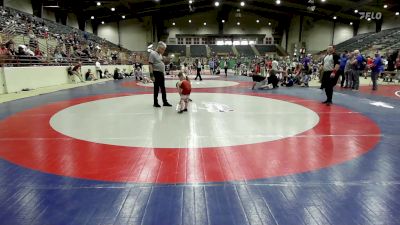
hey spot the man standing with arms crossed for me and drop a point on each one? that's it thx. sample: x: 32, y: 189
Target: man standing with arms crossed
x: 157, y: 71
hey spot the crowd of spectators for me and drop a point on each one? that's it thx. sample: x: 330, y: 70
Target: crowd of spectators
x: 60, y: 44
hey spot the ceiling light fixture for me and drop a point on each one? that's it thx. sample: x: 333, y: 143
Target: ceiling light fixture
x: 98, y: 3
x: 113, y: 9
x: 242, y: 3
x: 216, y: 3
x: 102, y: 22
x: 123, y: 17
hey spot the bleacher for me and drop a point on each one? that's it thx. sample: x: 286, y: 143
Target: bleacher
x: 198, y: 51
x: 14, y: 27
x: 263, y: 49
x: 245, y: 50
x: 221, y: 49
x: 176, y: 49
x: 379, y: 41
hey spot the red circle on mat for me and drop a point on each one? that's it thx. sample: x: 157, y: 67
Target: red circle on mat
x: 28, y: 140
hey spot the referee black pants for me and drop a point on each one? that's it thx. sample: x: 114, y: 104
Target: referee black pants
x: 159, y: 83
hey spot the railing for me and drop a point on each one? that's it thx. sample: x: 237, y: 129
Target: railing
x: 23, y: 61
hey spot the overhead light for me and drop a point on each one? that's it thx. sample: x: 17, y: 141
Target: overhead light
x: 385, y: 6
x: 238, y: 23
x: 92, y: 17
x: 173, y: 24
x: 369, y: 19
x: 190, y: 21
x: 216, y: 3
x: 397, y: 13
x: 190, y: 1
x: 278, y: 2
x: 322, y: 0
x: 113, y: 9
x: 123, y: 17
x: 257, y: 21
x: 334, y: 17
x: 223, y: 21
x: 102, y: 22
x: 356, y: 11
x: 205, y: 24
x: 242, y: 3
x: 351, y: 23
x: 98, y: 3
x: 269, y: 23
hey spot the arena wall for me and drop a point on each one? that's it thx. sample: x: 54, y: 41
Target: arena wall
x: 72, y: 20
x: 48, y: 14
x: 133, y: 34
x: 366, y: 27
x: 391, y: 22
x: 109, y: 31
x: 22, y: 5
x: 18, y: 78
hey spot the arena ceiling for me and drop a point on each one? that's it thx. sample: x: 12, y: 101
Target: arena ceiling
x: 167, y: 9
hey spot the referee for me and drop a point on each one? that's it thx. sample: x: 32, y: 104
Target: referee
x: 330, y: 77
x: 157, y: 71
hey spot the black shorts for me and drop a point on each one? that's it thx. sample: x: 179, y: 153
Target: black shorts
x: 258, y: 78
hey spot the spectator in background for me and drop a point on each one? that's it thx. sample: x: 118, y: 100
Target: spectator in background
x: 89, y: 75
x: 391, y: 64
x: 107, y: 74
x: 376, y: 67
x: 198, y: 66
x: 226, y: 67
x: 114, y: 57
x: 117, y: 74
x: 360, y: 63
x: 3, y: 54
x: 77, y: 71
x: 58, y: 57
x: 348, y: 71
x: 38, y: 53
x: 99, y: 72
x: 343, y: 62
x: 138, y: 70
x: 398, y: 66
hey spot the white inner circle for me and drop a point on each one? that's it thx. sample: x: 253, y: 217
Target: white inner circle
x: 213, y: 120
x: 196, y: 84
